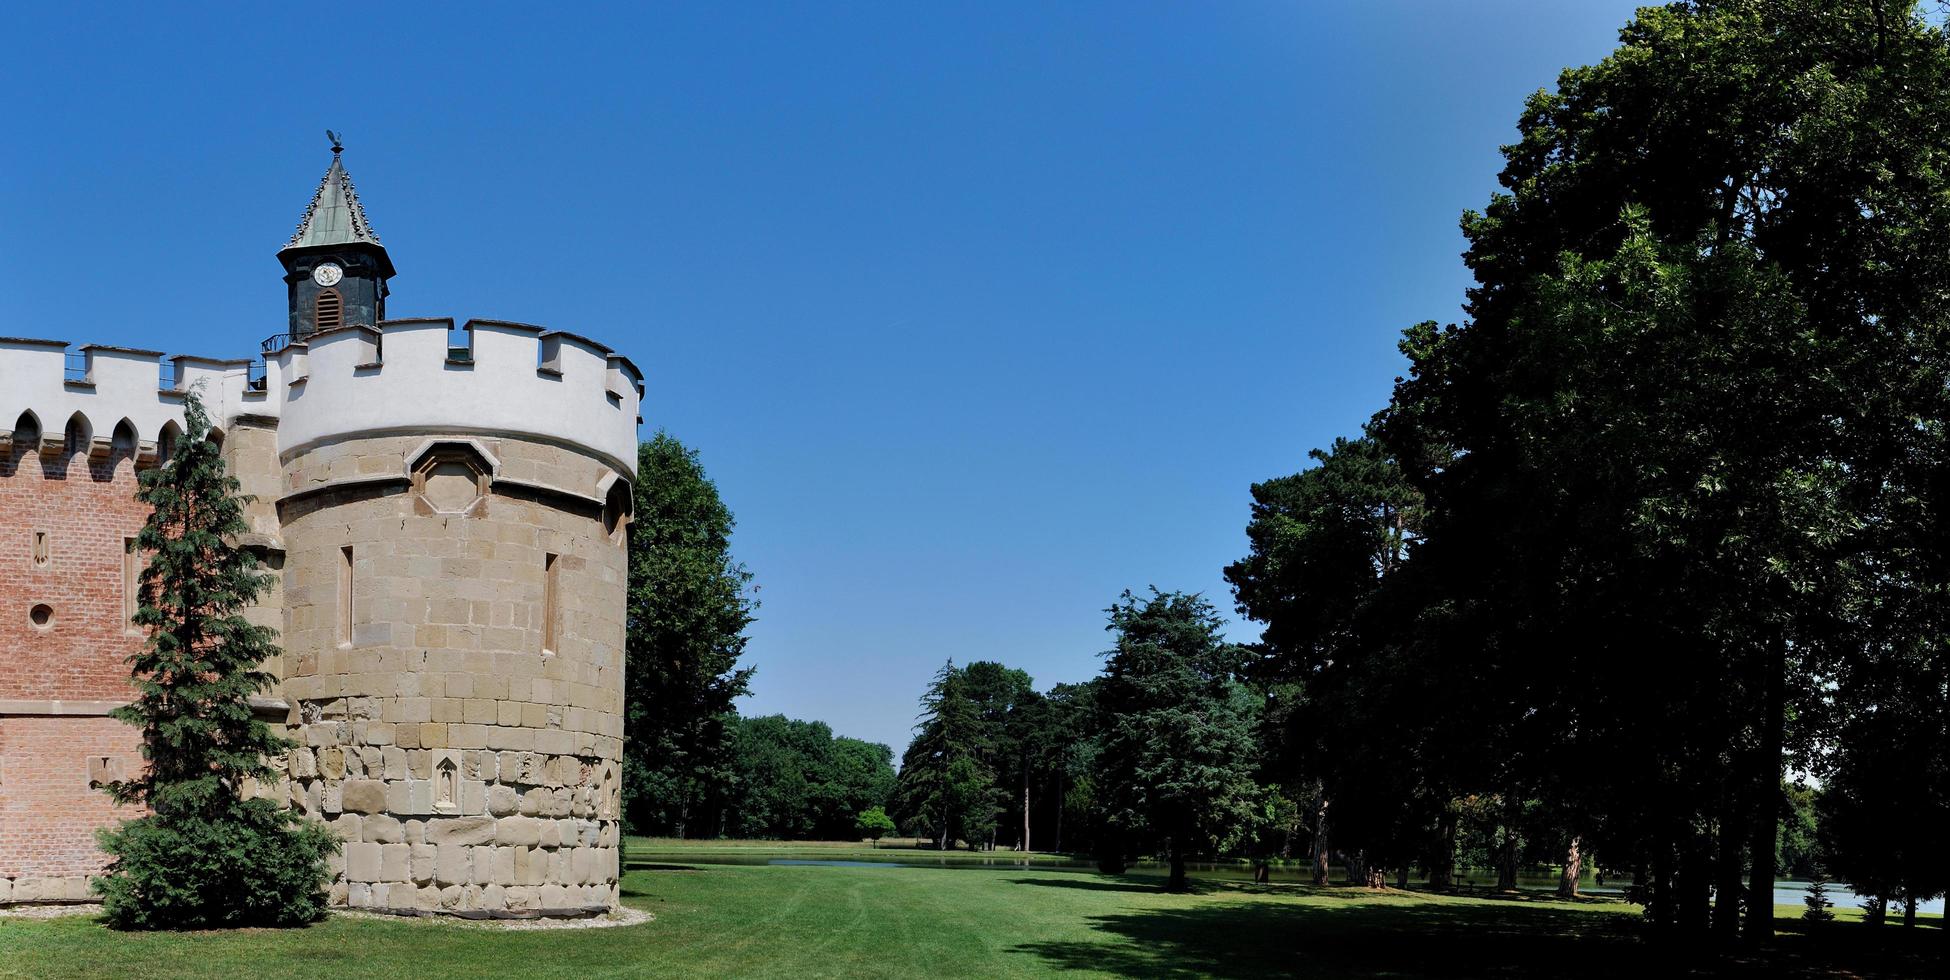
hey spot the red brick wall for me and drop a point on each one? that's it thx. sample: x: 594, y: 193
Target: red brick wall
x: 87, y: 511
x: 48, y: 811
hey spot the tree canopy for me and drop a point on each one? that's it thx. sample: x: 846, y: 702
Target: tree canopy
x: 689, y: 606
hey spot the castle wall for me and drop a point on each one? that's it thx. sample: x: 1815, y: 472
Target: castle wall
x: 58, y: 681
x: 460, y: 720
x: 466, y: 765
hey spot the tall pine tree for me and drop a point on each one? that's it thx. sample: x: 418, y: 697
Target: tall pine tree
x: 945, y: 789
x: 204, y: 855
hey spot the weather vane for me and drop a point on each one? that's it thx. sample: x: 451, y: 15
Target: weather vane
x: 337, y: 145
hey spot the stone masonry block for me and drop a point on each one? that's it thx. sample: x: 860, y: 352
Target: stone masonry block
x: 365, y: 795
x: 461, y: 830
x: 501, y: 800
x: 481, y: 858
x: 383, y: 828
x: 531, y: 865
x: 422, y: 858
x: 473, y: 797
x: 395, y: 862
x: 362, y: 862
x: 451, y: 865
x: 522, y: 831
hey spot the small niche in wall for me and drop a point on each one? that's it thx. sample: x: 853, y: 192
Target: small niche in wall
x: 41, y: 554
x: 42, y: 616
x: 446, y: 784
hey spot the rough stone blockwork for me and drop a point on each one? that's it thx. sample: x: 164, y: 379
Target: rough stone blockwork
x: 468, y: 764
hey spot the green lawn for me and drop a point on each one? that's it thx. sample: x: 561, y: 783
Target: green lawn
x: 825, y: 921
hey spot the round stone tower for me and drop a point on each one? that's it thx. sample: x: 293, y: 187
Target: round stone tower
x: 453, y: 509
x: 447, y: 509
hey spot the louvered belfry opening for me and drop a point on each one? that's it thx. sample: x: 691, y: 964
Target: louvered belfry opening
x: 328, y: 311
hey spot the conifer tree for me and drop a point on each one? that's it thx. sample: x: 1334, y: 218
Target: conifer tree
x: 1177, y: 758
x: 944, y: 787
x: 204, y: 855
x: 1818, y: 904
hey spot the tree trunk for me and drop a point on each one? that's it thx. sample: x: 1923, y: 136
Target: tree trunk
x: 1567, y: 881
x: 1659, y: 892
x: 1322, y: 854
x: 1059, y: 810
x: 1442, y: 874
x: 1356, y: 866
x: 1767, y: 799
x: 1695, y: 885
x: 1025, y: 809
x: 1506, y: 861
x: 1909, y: 909
x: 1727, y: 884
x: 1177, y: 882
x: 1401, y: 878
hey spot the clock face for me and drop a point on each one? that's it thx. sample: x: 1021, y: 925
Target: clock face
x: 327, y: 274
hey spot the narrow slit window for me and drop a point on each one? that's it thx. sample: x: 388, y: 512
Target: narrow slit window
x: 131, y: 582
x: 328, y: 310
x: 551, y: 588
x: 345, y: 596
x: 40, y: 549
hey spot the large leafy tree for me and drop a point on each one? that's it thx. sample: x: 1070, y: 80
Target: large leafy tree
x: 1177, y: 759
x: 689, y: 606
x: 1674, y: 456
x: 1325, y: 546
x: 208, y: 853
x: 796, y: 780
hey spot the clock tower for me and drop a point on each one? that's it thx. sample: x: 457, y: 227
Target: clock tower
x: 334, y: 267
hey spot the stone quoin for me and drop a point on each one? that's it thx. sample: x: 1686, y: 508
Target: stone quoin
x: 445, y: 512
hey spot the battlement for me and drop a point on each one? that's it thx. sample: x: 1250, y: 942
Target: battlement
x: 488, y: 377
x: 105, y: 399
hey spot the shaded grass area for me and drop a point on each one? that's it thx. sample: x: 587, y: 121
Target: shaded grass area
x: 912, y: 922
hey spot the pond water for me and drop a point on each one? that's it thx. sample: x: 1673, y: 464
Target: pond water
x: 798, y: 863
x: 1786, y: 892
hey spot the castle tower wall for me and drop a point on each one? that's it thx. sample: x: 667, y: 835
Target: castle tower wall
x: 454, y: 585
x: 459, y: 717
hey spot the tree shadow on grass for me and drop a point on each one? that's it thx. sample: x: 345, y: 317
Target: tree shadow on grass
x: 1356, y: 938
x: 646, y: 866
x: 1098, y: 884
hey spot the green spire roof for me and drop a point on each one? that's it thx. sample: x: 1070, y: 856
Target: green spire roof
x: 334, y: 216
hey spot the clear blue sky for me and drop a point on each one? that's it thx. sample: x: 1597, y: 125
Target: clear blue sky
x: 978, y: 313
